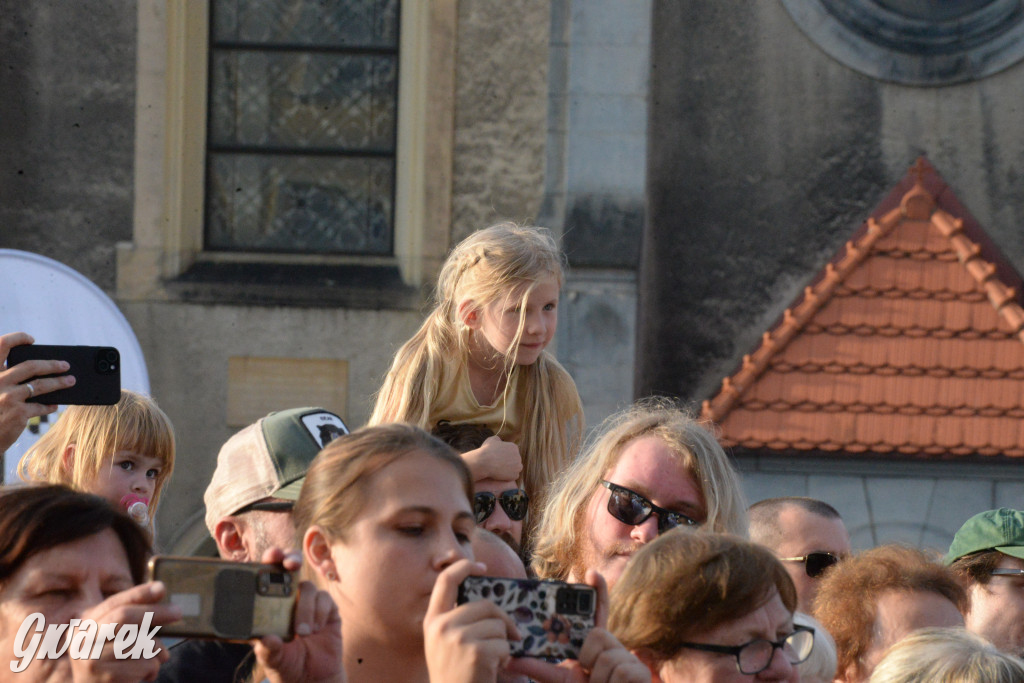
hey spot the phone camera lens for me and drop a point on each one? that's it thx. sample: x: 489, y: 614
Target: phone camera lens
x: 584, y: 602
x: 107, y: 361
x: 565, y: 601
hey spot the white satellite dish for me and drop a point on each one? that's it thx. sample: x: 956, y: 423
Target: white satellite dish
x: 58, y: 305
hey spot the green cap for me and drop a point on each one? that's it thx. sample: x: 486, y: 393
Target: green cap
x: 1001, y: 530
x: 268, y: 459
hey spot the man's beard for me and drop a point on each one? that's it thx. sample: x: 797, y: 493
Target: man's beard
x: 510, y: 541
x: 581, y: 560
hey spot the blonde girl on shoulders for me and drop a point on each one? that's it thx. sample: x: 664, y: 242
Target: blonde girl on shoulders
x: 481, y: 356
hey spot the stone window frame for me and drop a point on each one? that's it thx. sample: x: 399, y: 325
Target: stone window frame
x: 169, y: 173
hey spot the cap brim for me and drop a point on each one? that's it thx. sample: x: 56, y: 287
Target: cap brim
x: 1012, y: 550
x: 290, y: 491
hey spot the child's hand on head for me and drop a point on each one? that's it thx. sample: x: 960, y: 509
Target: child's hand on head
x: 495, y: 459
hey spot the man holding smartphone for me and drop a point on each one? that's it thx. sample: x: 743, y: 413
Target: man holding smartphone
x: 249, y: 504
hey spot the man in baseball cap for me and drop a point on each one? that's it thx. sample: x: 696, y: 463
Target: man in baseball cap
x: 987, y: 555
x: 249, y: 503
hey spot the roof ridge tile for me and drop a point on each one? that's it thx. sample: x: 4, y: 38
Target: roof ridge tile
x: 921, y: 229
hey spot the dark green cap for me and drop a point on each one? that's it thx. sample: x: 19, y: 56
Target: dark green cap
x: 1001, y: 530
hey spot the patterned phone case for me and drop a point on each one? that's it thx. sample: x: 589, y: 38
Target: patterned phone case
x: 552, y: 616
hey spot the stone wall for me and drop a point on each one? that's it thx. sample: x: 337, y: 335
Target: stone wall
x: 66, y: 139
x: 765, y: 156
x: 920, y: 504
x: 500, y: 112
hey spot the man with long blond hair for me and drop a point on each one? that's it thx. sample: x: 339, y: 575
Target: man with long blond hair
x: 648, y: 469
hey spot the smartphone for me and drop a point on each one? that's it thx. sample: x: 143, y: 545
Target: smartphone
x: 224, y: 600
x: 97, y: 371
x: 553, y: 617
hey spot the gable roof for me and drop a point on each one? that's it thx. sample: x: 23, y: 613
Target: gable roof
x: 910, y: 341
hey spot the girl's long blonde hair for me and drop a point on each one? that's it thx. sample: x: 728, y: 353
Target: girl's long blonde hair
x: 486, y: 267
x: 134, y: 423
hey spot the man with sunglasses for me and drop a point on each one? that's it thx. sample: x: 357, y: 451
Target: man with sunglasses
x: 987, y: 555
x: 499, y: 506
x: 807, y: 534
x: 649, y: 469
x: 249, y: 504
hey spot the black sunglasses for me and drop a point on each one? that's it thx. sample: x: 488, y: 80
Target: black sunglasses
x: 514, y: 502
x: 816, y: 563
x: 629, y: 507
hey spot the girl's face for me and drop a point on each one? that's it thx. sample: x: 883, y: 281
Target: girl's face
x: 59, y: 583
x: 127, y: 472
x: 417, y: 522
x: 498, y: 321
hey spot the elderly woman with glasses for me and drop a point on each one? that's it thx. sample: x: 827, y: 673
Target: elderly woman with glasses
x: 709, y: 608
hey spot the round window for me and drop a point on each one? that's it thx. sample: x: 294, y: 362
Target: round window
x: 916, y: 42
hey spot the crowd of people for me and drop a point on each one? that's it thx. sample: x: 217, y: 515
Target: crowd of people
x: 473, y: 463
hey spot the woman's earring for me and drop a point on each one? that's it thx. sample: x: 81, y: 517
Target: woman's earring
x: 331, y: 576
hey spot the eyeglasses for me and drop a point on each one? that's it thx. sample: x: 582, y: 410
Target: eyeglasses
x: 514, y: 502
x: 629, y: 507
x: 756, y: 656
x: 815, y: 564
x: 1006, y: 571
x: 269, y: 506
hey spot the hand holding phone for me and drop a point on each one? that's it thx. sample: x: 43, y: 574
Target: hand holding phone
x: 227, y: 600
x: 15, y: 411
x: 314, y: 654
x: 602, y: 658
x: 553, y: 617
x: 97, y: 371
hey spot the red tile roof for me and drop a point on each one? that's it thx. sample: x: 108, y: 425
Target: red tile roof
x: 910, y: 342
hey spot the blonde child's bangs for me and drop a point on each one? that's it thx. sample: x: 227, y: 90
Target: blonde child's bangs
x: 134, y: 424
x: 145, y: 429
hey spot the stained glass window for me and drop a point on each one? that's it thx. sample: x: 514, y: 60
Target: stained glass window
x: 301, y: 133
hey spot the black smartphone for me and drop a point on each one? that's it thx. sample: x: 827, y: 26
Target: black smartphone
x: 553, y: 617
x: 225, y: 600
x: 97, y: 371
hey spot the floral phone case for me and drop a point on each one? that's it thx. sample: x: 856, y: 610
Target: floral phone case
x: 553, y: 617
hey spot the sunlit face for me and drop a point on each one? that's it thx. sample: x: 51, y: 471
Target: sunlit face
x: 805, y: 532
x: 498, y: 321
x: 997, y: 608
x: 650, y: 467
x: 772, y: 621
x: 126, y: 473
x: 61, y: 583
x: 417, y: 522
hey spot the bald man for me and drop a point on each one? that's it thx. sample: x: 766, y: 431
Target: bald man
x: 808, y: 535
